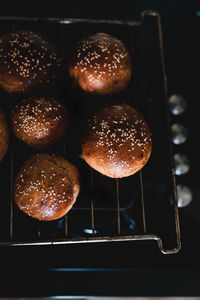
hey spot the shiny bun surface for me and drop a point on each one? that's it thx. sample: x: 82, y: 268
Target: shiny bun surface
x: 100, y: 64
x: 117, y: 142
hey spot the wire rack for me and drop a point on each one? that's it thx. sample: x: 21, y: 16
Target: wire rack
x: 141, y: 207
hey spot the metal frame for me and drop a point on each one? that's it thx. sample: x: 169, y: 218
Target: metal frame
x: 116, y: 238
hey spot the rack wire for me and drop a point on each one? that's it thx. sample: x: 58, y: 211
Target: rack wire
x: 118, y: 210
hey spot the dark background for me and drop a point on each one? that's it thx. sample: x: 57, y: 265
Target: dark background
x: 91, y: 9
x: 126, y: 269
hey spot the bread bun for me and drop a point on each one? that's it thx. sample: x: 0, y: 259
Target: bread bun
x: 46, y: 186
x: 117, y: 142
x: 100, y: 64
x: 39, y: 121
x: 4, y: 135
x: 27, y: 62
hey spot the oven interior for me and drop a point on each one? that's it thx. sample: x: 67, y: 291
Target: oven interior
x: 139, y: 207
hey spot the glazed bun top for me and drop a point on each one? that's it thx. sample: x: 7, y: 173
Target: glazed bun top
x: 100, y: 64
x: 39, y: 121
x: 46, y: 186
x: 27, y: 62
x: 117, y: 142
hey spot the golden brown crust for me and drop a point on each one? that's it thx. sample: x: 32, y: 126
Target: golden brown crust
x: 39, y: 121
x: 117, y: 142
x: 100, y: 64
x: 4, y: 135
x: 27, y: 62
x: 46, y: 186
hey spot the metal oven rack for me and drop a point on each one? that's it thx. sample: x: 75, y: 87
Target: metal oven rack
x: 139, y: 224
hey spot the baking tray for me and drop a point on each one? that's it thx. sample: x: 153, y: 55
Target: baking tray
x: 140, y: 207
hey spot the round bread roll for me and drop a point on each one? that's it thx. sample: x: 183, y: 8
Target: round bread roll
x: 100, y: 64
x: 46, y: 186
x: 39, y: 121
x: 117, y: 142
x: 4, y: 135
x: 27, y: 62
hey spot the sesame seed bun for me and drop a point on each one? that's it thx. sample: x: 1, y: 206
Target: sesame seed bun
x: 100, y: 64
x: 27, y: 62
x: 46, y: 186
x: 39, y: 121
x: 117, y: 142
x: 4, y: 135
